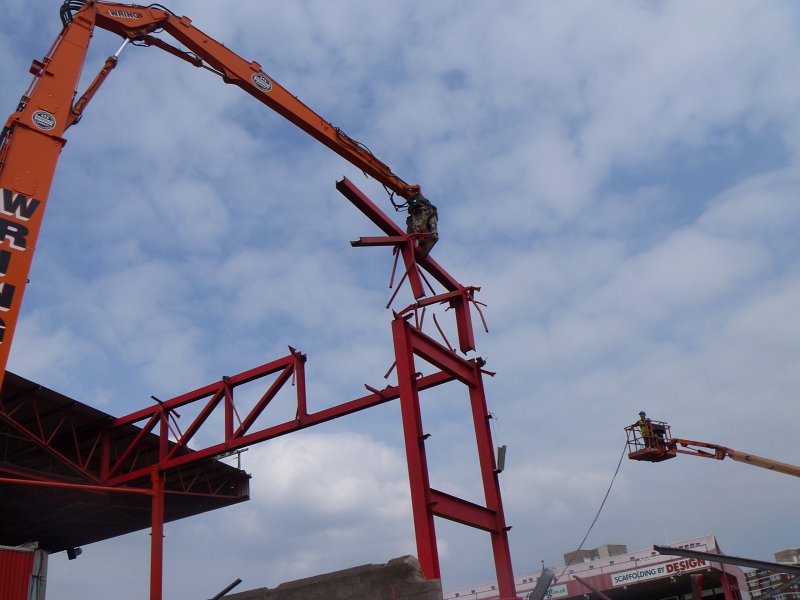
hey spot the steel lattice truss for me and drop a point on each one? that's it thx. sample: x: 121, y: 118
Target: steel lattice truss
x: 149, y: 450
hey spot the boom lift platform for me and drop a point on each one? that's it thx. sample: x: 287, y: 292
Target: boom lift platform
x: 652, y: 441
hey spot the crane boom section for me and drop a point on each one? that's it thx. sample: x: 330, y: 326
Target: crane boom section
x: 646, y: 444
x: 32, y: 138
x: 764, y: 463
x: 30, y: 145
x: 721, y: 452
x: 137, y: 23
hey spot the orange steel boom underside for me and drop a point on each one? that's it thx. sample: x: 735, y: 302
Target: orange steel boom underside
x: 32, y: 138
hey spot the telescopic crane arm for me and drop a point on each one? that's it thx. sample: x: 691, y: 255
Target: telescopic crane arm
x: 32, y: 138
x: 651, y: 441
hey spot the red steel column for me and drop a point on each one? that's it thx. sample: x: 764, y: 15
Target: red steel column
x: 491, y: 489
x: 730, y: 588
x: 157, y: 536
x: 415, y: 452
x: 697, y: 586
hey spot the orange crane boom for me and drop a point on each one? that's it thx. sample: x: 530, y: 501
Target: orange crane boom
x: 32, y: 138
x: 652, y: 442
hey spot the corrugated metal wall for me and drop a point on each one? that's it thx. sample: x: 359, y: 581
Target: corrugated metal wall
x: 15, y: 573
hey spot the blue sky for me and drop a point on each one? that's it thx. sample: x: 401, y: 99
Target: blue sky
x: 620, y: 178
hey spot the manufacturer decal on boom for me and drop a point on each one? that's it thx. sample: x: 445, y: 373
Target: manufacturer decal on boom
x: 124, y: 14
x: 21, y: 208
x: 43, y: 120
x: 261, y: 81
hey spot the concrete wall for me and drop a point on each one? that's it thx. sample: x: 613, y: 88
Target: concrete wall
x: 399, y: 579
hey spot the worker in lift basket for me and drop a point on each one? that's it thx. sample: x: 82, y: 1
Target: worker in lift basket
x: 646, y: 428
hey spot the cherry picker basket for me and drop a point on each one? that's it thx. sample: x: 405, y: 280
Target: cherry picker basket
x: 650, y: 441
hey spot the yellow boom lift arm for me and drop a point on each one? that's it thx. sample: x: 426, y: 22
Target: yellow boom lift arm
x: 653, y: 442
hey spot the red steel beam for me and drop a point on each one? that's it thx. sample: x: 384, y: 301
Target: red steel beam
x: 133, y: 446
x: 410, y: 342
x: 247, y: 423
x: 426, y: 347
x: 459, y: 303
x: 160, y: 413
x: 39, y: 438
x: 462, y: 511
x: 100, y: 488
x: 425, y: 501
x: 405, y: 245
x: 208, y: 390
x: 157, y: 536
x: 389, y: 227
x: 389, y: 240
x: 414, y: 436
x: 27, y: 474
x: 302, y: 422
x: 491, y: 488
x: 76, y: 486
x: 198, y: 422
x: 300, y: 381
x: 369, y: 208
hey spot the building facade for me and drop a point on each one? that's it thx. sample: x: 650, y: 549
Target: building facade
x: 761, y: 582
x: 631, y: 576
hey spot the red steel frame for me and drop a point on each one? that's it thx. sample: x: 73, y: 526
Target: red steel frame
x: 119, y: 464
x: 410, y: 341
x: 730, y: 588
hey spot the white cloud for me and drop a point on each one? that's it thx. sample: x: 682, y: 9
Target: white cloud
x: 331, y: 474
x: 619, y: 178
x: 758, y: 206
x: 686, y: 271
x: 47, y: 354
x: 350, y: 489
